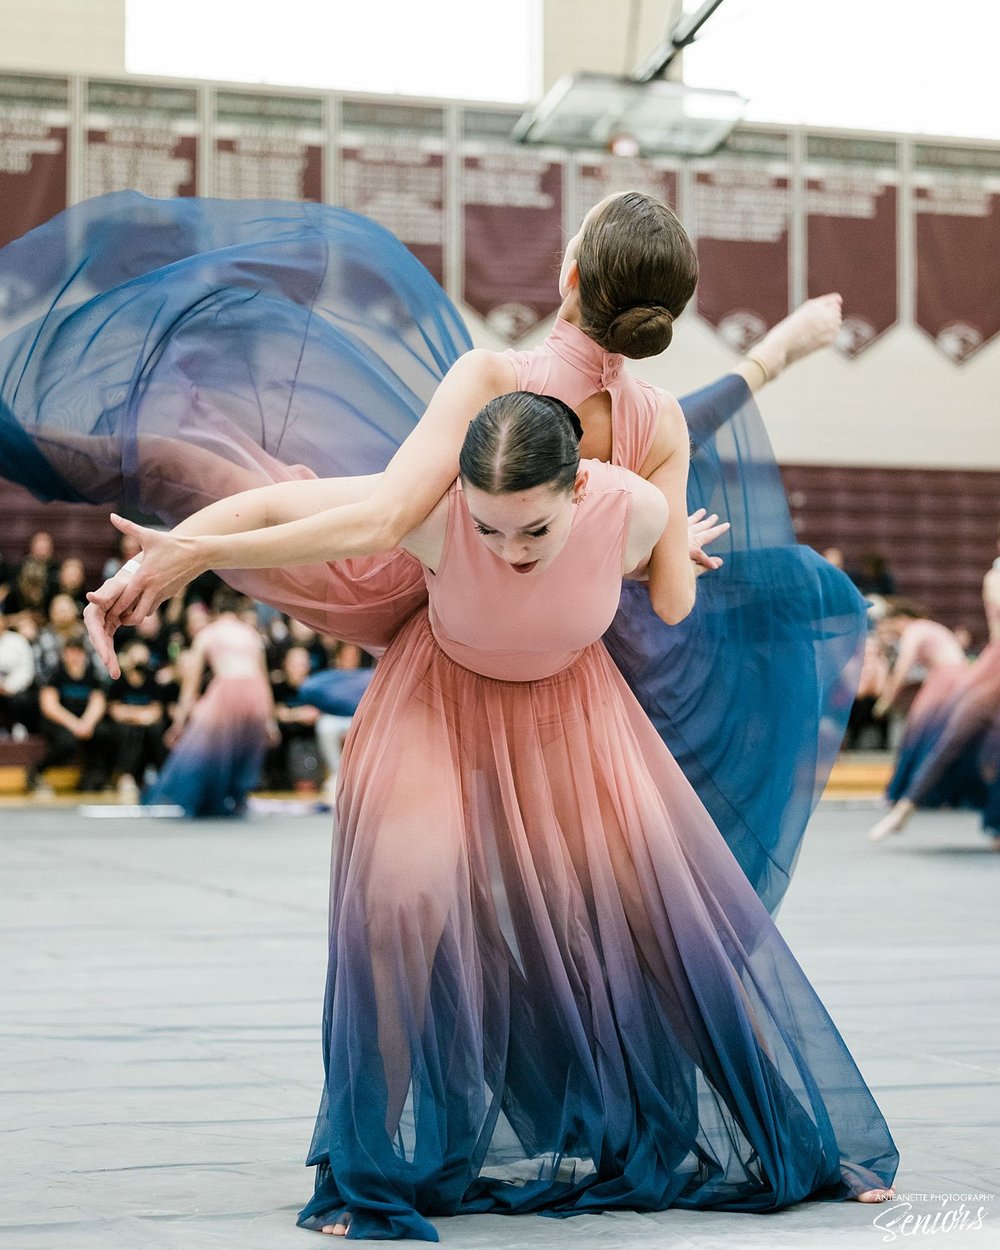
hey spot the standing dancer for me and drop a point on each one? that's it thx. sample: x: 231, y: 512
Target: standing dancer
x: 218, y: 737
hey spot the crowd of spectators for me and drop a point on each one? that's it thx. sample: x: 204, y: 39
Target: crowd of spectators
x: 118, y: 732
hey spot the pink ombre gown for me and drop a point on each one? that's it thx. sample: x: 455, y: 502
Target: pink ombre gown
x: 551, y: 987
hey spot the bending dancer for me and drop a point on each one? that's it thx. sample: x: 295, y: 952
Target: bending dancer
x: 955, y: 762
x: 551, y: 984
x: 551, y: 987
x: 921, y: 646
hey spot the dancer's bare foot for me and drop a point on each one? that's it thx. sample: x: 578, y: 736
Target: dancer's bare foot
x: 877, y: 1195
x: 893, y: 821
x: 812, y: 325
x: 340, y: 1228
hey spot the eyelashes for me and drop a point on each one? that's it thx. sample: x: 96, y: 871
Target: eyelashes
x: 481, y: 529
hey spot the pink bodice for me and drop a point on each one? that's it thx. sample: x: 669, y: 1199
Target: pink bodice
x: 526, y: 626
x: 571, y: 366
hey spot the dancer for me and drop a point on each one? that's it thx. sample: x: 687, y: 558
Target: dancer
x: 228, y: 344
x: 551, y: 988
x: 955, y: 760
x: 923, y: 646
x: 219, y: 737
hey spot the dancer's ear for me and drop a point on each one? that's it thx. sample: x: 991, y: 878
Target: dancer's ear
x: 580, y: 485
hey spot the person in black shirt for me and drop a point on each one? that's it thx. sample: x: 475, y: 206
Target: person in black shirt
x: 72, y: 704
x: 137, y: 706
x: 295, y: 763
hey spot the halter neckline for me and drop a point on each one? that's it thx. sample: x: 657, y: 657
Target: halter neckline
x: 579, y: 350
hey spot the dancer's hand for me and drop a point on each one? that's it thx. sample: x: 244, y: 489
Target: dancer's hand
x: 702, y: 530
x: 813, y: 325
x: 169, y: 561
x: 100, y: 628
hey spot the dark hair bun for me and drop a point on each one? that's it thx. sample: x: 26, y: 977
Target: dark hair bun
x: 645, y: 330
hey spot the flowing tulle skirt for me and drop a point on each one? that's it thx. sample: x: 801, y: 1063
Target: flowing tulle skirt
x: 551, y: 987
x: 218, y: 759
x: 157, y: 355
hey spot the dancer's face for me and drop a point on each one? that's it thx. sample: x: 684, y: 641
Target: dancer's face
x: 529, y: 528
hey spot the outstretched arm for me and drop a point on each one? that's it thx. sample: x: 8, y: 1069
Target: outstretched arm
x: 294, y: 522
x: 812, y: 325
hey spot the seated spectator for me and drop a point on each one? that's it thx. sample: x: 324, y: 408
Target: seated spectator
x: 300, y: 635
x: 137, y: 711
x: 64, y: 619
x: 33, y: 585
x: 30, y: 591
x: 18, y: 697
x: 156, y: 636
x: 333, y: 725
x: 72, y: 703
x: 128, y: 547
x: 71, y: 579
x: 295, y: 762
x: 873, y: 577
x: 834, y: 556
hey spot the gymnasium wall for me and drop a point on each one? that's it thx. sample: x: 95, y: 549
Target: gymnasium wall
x: 905, y: 228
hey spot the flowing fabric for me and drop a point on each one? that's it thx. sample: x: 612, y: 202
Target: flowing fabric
x: 551, y: 987
x: 159, y: 355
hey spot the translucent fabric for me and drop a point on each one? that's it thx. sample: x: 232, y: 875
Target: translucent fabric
x: 159, y: 355
x: 752, y: 691
x: 551, y: 987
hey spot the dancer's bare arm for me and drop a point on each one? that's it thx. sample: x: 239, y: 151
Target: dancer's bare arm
x: 305, y: 522
x: 670, y: 570
x: 812, y: 325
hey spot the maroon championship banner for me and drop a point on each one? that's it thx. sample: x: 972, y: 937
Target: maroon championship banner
x: 140, y: 138
x: 851, y: 202
x: 956, y: 203
x: 512, y: 226
x: 392, y: 169
x: 34, y: 124
x: 741, y: 218
x: 595, y: 178
x: 268, y: 147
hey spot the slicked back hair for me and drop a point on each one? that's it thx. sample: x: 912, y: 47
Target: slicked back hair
x: 521, y: 440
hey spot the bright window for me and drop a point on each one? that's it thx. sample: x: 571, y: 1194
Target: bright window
x: 863, y: 64
x: 409, y: 47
